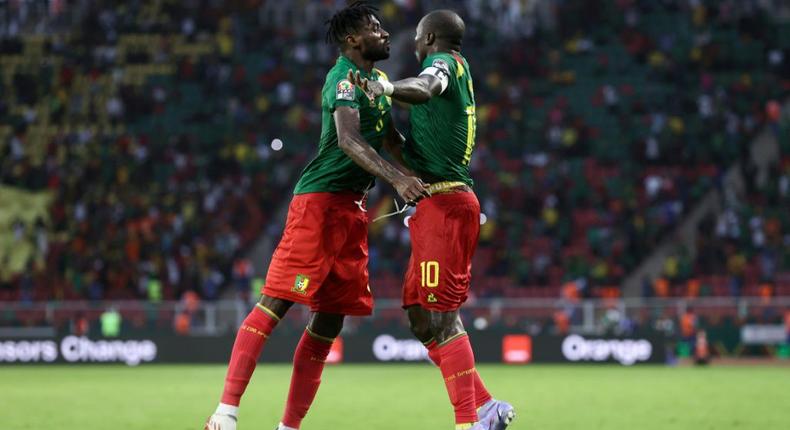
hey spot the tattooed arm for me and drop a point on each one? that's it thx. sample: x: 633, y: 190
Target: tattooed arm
x: 410, y: 188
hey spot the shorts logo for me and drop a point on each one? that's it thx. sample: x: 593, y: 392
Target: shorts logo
x: 345, y: 90
x: 432, y: 298
x: 300, y: 286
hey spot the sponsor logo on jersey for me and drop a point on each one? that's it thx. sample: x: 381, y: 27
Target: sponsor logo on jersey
x: 345, y: 90
x: 300, y: 285
x: 432, y: 298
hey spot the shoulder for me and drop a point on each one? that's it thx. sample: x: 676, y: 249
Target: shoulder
x: 338, y: 86
x: 345, y: 90
x: 336, y: 74
x: 381, y: 74
x: 440, y: 60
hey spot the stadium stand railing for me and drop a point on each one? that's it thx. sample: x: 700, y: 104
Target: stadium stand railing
x: 534, y: 315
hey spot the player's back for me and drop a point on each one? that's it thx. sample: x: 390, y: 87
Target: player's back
x: 443, y: 129
x: 332, y: 170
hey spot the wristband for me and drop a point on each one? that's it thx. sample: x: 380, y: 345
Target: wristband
x: 388, y: 87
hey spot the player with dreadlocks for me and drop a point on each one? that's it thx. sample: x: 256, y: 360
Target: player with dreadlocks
x: 321, y: 260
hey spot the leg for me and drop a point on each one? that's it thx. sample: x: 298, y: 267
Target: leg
x: 452, y: 344
x: 312, y: 241
x: 457, y: 363
x: 309, y: 360
x: 251, y: 337
x: 326, y: 325
x: 278, y: 306
x: 445, y: 326
x: 435, y: 286
x: 247, y: 347
x: 343, y: 291
x: 420, y: 324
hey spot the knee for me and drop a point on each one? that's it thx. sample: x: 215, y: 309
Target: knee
x: 445, y: 329
x: 326, y: 325
x: 421, y: 329
x: 420, y: 323
x: 278, y: 306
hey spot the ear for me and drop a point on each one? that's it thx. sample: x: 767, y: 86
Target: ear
x: 352, y: 40
x: 430, y: 38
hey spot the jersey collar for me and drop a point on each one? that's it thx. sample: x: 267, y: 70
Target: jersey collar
x: 343, y: 60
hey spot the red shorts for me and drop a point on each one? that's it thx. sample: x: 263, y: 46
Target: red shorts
x: 322, y: 258
x: 444, y: 232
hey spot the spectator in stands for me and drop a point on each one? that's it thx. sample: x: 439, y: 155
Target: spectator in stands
x: 702, y: 354
x: 111, y: 321
x: 601, y: 123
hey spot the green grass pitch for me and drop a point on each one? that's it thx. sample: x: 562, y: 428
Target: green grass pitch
x: 390, y: 397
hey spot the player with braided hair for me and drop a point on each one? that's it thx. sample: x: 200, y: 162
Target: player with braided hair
x: 321, y: 260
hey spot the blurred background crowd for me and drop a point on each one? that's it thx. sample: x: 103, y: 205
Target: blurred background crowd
x: 148, y: 149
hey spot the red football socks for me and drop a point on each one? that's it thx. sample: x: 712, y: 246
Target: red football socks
x: 433, y: 352
x: 309, y: 360
x: 457, y: 363
x: 250, y: 338
x: 482, y: 396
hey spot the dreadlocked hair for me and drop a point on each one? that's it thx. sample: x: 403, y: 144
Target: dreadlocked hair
x: 349, y: 20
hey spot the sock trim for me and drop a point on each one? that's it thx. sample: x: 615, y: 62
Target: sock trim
x: 318, y: 336
x: 452, y: 338
x: 267, y: 311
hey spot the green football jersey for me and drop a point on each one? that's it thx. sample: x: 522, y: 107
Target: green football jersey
x: 443, y: 129
x: 332, y: 170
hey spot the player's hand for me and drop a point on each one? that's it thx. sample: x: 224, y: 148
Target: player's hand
x: 411, y: 189
x: 372, y: 89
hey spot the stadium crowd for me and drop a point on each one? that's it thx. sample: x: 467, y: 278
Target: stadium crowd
x: 167, y: 135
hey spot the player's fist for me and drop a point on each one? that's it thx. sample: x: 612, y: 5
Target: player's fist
x: 373, y: 89
x: 411, y: 188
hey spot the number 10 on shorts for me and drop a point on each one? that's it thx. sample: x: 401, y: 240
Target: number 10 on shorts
x: 429, y: 273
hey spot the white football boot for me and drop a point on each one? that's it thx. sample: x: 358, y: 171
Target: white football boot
x: 220, y: 422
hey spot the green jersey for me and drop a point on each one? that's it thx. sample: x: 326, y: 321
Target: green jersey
x: 332, y: 170
x: 443, y: 129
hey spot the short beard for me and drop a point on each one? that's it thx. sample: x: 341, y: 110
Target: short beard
x: 376, y: 55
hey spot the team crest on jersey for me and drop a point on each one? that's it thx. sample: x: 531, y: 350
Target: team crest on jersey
x: 300, y: 285
x: 345, y: 90
x: 432, y: 298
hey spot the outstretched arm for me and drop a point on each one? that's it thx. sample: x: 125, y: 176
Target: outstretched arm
x: 350, y: 141
x: 415, y: 90
x: 431, y: 82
